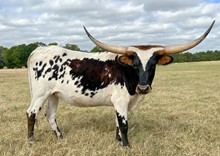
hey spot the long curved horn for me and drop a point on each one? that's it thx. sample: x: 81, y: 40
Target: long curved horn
x: 111, y: 48
x: 187, y: 46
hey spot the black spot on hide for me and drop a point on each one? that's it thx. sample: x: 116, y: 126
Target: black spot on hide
x: 39, y: 70
x: 57, y: 58
x: 55, y: 69
x: 64, y: 54
x: 51, y: 62
x: 40, y: 63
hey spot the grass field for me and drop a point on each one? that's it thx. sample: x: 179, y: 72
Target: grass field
x: 181, y: 117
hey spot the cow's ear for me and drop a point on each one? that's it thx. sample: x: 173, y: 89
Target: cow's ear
x: 126, y: 60
x: 165, y: 59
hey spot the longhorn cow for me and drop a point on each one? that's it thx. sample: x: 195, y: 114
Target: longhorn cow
x: 120, y: 77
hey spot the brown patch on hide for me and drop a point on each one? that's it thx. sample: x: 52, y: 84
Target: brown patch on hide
x: 94, y: 74
x: 147, y: 47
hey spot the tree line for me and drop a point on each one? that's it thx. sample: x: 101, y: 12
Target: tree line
x: 196, y: 57
x: 17, y: 56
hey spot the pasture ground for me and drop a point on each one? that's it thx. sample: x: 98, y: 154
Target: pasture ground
x: 181, y: 117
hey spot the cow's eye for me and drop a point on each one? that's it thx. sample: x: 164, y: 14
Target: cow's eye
x: 153, y: 67
x: 135, y: 67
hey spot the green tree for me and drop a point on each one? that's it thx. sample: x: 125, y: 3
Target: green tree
x: 17, y: 56
x: 9, y: 61
x: 72, y: 47
x: 2, y: 60
x: 195, y: 57
x: 53, y: 43
x: 97, y: 49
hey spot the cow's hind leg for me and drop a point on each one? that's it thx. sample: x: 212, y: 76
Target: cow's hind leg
x: 32, y: 113
x: 51, y: 114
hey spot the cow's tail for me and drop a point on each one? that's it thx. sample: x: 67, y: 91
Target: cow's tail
x: 29, y: 73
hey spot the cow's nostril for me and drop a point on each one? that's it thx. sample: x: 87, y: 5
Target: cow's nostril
x: 143, y: 87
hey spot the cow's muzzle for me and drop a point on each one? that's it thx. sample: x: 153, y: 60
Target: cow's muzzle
x: 143, y: 89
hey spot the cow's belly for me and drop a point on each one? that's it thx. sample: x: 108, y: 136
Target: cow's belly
x: 101, y: 97
x: 85, y: 101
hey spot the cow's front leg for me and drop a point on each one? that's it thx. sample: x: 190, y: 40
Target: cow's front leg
x: 120, y: 101
x: 118, y: 135
x: 123, y: 128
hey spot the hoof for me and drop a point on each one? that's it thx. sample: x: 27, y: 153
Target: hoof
x: 118, y: 138
x: 30, y: 141
x: 60, y: 137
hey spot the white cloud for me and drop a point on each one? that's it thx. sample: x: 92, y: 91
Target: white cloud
x: 198, y: 11
x: 152, y: 5
x: 115, y: 22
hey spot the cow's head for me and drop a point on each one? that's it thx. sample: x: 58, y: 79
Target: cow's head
x: 144, y: 58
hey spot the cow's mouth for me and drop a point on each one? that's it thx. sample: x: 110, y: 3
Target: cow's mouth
x: 143, y: 89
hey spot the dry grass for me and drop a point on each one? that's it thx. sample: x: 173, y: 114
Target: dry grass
x: 180, y: 117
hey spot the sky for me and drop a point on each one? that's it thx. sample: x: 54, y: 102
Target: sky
x: 116, y: 22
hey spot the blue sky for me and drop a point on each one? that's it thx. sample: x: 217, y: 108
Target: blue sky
x: 118, y: 22
x: 215, y: 1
